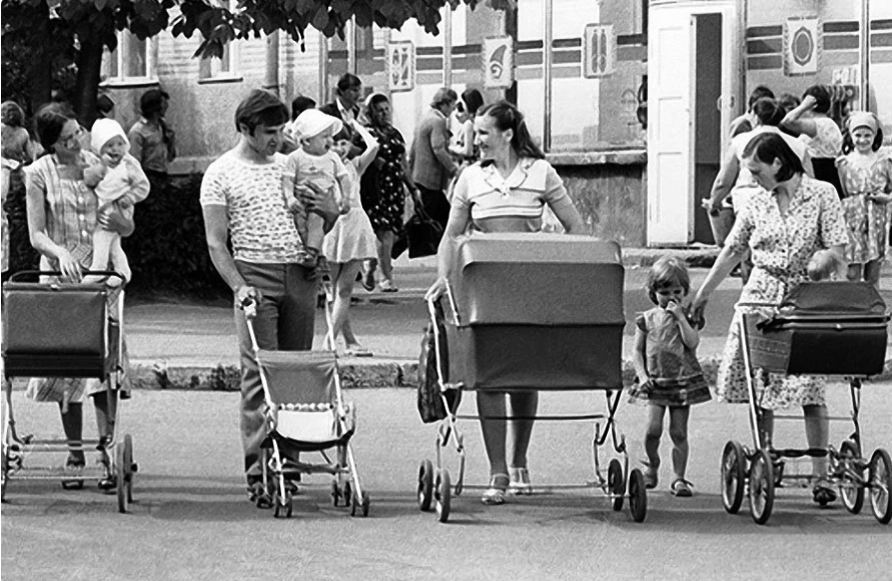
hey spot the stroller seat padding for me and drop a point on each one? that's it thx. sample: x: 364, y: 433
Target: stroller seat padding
x: 299, y: 376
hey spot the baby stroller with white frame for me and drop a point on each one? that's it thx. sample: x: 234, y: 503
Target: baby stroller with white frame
x: 64, y: 329
x: 825, y: 329
x: 530, y: 312
x: 306, y: 412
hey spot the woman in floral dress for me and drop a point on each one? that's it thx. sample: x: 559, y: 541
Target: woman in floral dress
x: 783, y: 226
x: 383, y: 194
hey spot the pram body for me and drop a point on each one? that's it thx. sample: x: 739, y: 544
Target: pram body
x: 306, y: 412
x: 53, y: 329
x: 825, y: 329
x: 539, y: 312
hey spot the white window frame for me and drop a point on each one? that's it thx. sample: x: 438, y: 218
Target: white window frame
x: 151, y: 76
x: 212, y: 69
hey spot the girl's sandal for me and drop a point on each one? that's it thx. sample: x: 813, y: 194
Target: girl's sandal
x: 495, y: 494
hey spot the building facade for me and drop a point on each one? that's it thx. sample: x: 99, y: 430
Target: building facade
x: 630, y: 99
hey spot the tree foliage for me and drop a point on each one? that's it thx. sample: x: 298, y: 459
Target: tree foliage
x: 81, y: 29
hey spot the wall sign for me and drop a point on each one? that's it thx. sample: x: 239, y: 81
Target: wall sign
x: 600, y: 51
x: 803, y: 43
x: 498, y: 62
x: 401, y: 66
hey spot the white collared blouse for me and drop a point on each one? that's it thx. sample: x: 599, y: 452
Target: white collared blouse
x: 487, y: 196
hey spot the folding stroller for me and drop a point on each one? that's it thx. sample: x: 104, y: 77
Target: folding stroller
x: 60, y: 329
x: 532, y: 312
x: 820, y: 328
x: 305, y: 412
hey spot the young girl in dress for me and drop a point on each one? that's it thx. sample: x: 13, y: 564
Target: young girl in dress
x: 669, y: 375
x: 866, y: 178
x: 351, y: 240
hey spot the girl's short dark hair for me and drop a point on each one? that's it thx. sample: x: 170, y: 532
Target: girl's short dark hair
x: 767, y: 147
x: 473, y: 100
x: 667, y: 271
x: 49, y: 122
x: 300, y: 104
x: 821, y: 96
x: 507, y: 116
x: 260, y: 108
x: 768, y: 111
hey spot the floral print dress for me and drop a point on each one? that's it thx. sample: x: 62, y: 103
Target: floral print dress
x: 781, y: 247
x: 386, y: 203
x: 866, y: 220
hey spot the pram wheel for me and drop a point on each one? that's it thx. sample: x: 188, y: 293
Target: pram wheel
x: 881, y: 485
x: 851, y: 486
x: 121, y: 477
x: 761, y: 481
x: 733, y: 476
x: 616, y: 484
x: 360, y: 504
x: 425, y: 485
x: 637, y: 496
x: 335, y: 493
x: 348, y: 494
x: 443, y: 494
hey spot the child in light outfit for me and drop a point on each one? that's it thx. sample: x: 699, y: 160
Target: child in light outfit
x: 669, y: 375
x: 866, y: 178
x: 826, y: 265
x: 117, y: 179
x: 314, y: 164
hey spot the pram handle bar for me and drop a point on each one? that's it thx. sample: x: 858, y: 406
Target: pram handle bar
x: 23, y: 273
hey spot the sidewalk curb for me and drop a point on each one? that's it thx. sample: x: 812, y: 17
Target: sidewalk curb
x: 382, y: 373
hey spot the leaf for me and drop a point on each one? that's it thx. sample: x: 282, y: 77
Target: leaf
x: 320, y: 21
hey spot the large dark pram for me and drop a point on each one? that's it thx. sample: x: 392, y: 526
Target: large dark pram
x: 306, y: 412
x: 64, y: 330
x: 532, y: 312
x: 824, y: 328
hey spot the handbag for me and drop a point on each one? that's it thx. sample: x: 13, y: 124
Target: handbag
x: 423, y: 234
x: 430, y: 403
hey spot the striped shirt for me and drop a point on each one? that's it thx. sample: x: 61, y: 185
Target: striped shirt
x: 260, y: 226
x: 70, y: 208
x: 483, y: 192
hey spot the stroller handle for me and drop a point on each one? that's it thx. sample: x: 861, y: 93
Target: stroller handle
x: 452, y: 304
x: 24, y: 273
x: 249, y: 306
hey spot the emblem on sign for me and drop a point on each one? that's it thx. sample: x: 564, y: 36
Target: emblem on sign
x: 498, y: 62
x: 600, y: 51
x: 401, y: 66
x: 802, y: 46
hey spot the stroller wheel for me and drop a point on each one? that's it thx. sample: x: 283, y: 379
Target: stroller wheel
x: 283, y: 507
x: 365, y: 503
x: 851, y: 486
x: 637, y: 496
x: 616, y: 484
x: 348, y: 494
x: 335, y: 493
x: 444, y: 495
x: 425, y: 485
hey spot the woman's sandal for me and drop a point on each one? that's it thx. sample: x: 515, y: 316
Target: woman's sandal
x: 519, y: 481
x: 495, y: 494
x: 681, y: 488
x: 74, y: 463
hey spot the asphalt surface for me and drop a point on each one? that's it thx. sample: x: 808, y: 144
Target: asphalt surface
x: 192, y: 521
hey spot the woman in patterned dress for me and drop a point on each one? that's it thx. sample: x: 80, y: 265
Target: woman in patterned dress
x: 383, y: 194
x: 783, y: 226
x: 62, y: 214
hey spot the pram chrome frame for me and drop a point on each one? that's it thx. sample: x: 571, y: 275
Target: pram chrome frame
x: 756, y: 472
x: 116, y: 462
x: 346, y: 484
x: 435, y: 484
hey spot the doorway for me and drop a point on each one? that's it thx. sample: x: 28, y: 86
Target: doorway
x: 707, y: 115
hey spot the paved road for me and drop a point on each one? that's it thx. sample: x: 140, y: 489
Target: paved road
x: 192, y: 522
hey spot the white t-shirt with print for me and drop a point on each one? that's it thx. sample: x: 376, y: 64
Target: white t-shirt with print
x: 260, y: 226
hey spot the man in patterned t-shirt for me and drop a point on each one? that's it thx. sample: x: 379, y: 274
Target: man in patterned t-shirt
x: 242, y: 200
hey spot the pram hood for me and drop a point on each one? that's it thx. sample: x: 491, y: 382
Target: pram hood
x: 538, y: 279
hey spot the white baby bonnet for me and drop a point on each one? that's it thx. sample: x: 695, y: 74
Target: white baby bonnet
x: 103, y: 130
x: 312, y: 122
